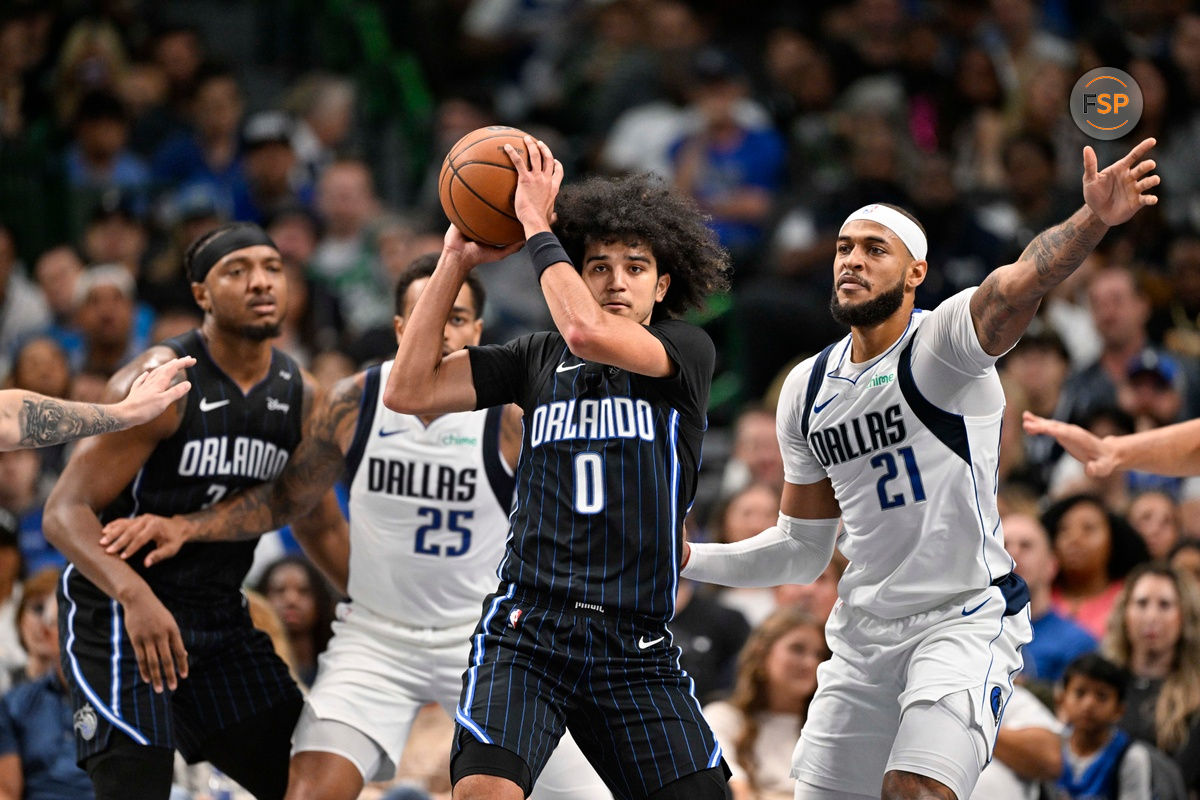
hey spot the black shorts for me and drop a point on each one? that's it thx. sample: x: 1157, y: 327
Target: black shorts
x: 538, y: 668
x: 233, y: 674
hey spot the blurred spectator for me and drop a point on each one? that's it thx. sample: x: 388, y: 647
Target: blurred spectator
x: 304, y: 603
x: 145, y: 91
x: 1183, y: 271
x: 98, y: 158
x: 1155, y: 634
x: 12, y: 655
x: 1057, y: 641
x: 179, y: 51
x: 296, y: 231
x: 105, y: 316
x: 1098, y: 758
x: 269, y: 181
x: 818, y: 598
x: 92, y: 57
x: 1032, y: 200
x: 755, y: 457
x: 745, y: 513
x: 972, y: 122
x: 37, y: 728
x: 346, y: 259
x: 41, y: 366
x: 22, y: 494
x: 37, y: 624
x: 22, y: 307
x: 1096, y: 549
x: 1153, y: 392
x: 1154, y: 514
x: 1027, y: 753
x: 734, y: 171
x: 1185, y: 558
x: 330, y: 366
x: 761, y: 720
x: 115, y: 234
x: 57, y: 270
x: 324, y: 107
x: 1038, y: 365
x: 710, y: 636
x: 174, y: 322
x: 208, y: 154
x: 193, y: 211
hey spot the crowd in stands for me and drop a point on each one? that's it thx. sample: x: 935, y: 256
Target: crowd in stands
x: 122, y: 141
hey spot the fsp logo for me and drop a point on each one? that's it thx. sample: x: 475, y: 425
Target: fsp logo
x: 1106, y: 103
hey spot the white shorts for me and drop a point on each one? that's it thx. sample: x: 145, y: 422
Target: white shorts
x: 375, y: 676
x: 880, y: 668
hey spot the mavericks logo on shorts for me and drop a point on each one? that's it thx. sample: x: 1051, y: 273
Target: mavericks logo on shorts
x: 85, y: 722
x: 997, y: 694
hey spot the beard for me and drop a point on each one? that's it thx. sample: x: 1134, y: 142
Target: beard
x: 262, y: 331
x: 868, y: 313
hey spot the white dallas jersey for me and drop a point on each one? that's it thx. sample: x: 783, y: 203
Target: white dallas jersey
x: 910, y: 441
x: 428, y: 511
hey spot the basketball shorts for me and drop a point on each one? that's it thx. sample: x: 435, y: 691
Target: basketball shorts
x: 538, y: 667
x: 376, y: 674
x: 233, y: 674
x: 882, y: 667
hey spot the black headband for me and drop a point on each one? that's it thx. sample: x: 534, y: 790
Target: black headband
x: 221, y: 245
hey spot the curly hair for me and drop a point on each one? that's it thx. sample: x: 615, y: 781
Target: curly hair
x: 1127, y: 549
x: 750, y: 690
x: 644, y: 207
x: 1179, y: 698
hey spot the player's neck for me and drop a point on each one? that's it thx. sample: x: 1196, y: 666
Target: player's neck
x: 867, y: 342
x: 246, y: 361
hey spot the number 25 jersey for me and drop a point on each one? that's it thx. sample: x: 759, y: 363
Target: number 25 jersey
x: 608, y: 467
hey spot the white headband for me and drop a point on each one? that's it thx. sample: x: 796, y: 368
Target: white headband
x: 897, y: 223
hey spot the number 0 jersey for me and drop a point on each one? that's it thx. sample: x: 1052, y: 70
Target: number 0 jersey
x: 910, y: 441
x: 428, y: 511
x: 608, y: 467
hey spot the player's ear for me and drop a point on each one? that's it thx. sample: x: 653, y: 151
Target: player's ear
x: 398, y: 327
x: 660, y: 290
x: 200, y: 295
x: 477, y: 326
x: 917, y: 271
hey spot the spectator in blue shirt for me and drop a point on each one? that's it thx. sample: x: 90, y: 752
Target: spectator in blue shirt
x: 1057, y: 641
x: 37, y: 729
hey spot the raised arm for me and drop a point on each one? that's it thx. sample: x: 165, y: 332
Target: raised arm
x: 99, y: 469
x: 304, y: 485
x: 28, y: 419
x: 591, y: 333
x: 1009, y: 297
x: 421, y: 380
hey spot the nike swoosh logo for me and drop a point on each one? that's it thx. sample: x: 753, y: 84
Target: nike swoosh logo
x: 207, y: 406
x: 966, y: 613
x: 564, y: 368
x: 382, y: 432
x: 820, y: 408
x: 643, y: 644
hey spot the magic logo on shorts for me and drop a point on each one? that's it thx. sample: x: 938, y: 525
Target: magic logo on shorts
x: 603, y: 418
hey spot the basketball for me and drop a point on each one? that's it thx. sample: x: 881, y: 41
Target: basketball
x: 477, y: 184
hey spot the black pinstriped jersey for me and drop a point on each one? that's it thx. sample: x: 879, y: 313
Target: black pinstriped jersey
x: 226, y: 441
x: 608, y: 467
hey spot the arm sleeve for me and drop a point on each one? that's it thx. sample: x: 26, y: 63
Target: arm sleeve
x: 500, y: 372
x: 800, y: 466
x: 694, y: 356
x: 794, y: 551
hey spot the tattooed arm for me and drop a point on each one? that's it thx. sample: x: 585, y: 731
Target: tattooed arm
x: 28, y: 419
x: 304, y: 485
x: 1008, y: 298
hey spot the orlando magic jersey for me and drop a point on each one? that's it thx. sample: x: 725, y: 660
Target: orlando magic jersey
x: 608, y: 467
x: 910, y: 441
x: 428, y: 510
x: 227, y: 440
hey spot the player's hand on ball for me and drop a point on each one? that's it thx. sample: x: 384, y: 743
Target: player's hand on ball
x: 538, y: 183
x: 127, y: 535
x: 473, y: 253
x: 1117, y: 192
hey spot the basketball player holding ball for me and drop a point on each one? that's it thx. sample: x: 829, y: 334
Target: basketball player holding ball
x: 575, y: 637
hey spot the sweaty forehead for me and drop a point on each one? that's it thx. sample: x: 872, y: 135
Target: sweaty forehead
x: 864, y: 228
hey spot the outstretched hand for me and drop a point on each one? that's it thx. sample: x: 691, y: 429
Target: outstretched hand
x: 1096, y: 455
x: 154, y: 390
x: 1117, y: 192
